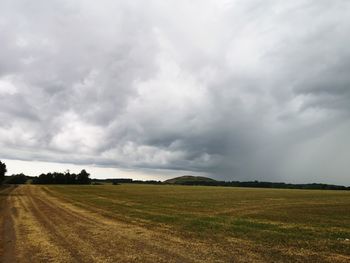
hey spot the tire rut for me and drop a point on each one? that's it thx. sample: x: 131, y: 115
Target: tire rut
x: 83, y: 236
x: 51, y: 229
x: 8, y: 235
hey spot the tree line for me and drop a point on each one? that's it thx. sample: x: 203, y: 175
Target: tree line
x: 257, y: 184
x: 49, y: 178
x: 116, y: 181
x: 63, y: 178
x: 16, y: 179
x: 84, y: 178
x: 251, y: 184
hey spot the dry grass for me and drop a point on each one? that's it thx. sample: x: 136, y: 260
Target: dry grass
x: 147, y: 223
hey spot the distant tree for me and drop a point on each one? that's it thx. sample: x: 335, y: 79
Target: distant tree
x: 70, y: 178
x: 83, y: 177
x: 3, y: 171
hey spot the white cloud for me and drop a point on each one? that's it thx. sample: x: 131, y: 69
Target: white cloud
x: 7, y: 86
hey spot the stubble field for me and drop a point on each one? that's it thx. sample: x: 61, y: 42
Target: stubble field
x: 150, y: 223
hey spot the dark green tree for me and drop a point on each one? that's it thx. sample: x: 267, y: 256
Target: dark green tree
x: 83, y: 177
x: 3, y: 171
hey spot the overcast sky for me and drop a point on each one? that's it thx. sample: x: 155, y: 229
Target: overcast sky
x: 237, y: 90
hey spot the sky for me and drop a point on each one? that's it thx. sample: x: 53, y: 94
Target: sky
x: 234, y: 90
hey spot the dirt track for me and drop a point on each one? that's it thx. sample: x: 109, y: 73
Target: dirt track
x: 37, y: 227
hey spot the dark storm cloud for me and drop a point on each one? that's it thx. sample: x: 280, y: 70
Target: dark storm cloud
x: 236, y: 89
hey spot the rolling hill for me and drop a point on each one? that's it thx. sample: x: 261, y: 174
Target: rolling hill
x: 190, y: 180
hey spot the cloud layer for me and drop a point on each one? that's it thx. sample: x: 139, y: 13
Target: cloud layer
x: 235, y: 89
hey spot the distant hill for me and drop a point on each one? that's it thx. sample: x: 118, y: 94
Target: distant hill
x: 190, y: 180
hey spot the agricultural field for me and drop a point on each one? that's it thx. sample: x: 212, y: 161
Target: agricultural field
x: 168, y: 223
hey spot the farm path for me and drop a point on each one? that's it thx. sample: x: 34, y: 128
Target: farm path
x: 38, y: 227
